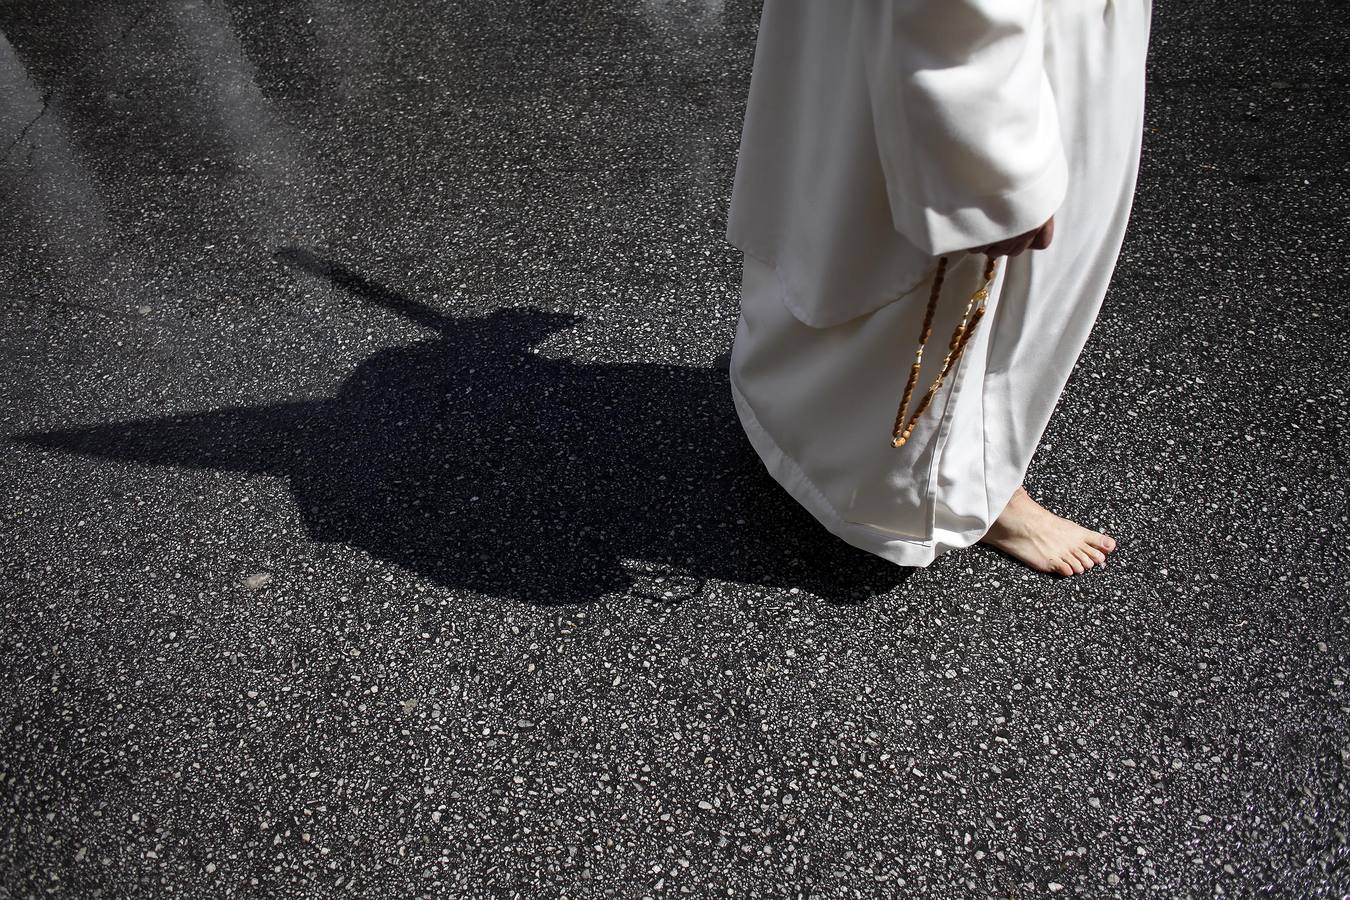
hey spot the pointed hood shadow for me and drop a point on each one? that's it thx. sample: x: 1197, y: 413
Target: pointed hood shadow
x: 477, y: 463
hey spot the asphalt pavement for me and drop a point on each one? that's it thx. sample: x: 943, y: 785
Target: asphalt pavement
x: 376, y: 521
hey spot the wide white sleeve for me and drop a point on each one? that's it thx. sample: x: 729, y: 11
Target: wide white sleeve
x: 965, y: 118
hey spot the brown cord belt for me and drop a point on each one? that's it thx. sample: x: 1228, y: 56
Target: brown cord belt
x: 964, y: 329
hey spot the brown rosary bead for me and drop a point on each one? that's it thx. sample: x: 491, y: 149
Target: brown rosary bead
x: 901, y: 431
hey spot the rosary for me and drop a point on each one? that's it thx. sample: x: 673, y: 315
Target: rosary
x: 964, y: 329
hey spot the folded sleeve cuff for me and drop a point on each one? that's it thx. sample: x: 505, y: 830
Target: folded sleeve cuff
x: 983, y: 220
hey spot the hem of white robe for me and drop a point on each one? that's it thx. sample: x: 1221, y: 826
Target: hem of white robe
x: 792, y: 294
x: 788, y: 474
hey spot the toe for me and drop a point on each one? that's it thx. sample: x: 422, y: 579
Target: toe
x: 1084, y: 557
x: 1059, y: 567
x: 1098, y: 556
x: 1104, y: 542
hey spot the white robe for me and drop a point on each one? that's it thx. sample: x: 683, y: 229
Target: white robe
x: 878, y: 135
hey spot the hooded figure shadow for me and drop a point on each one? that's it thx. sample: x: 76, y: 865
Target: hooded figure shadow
x: 476, y: 463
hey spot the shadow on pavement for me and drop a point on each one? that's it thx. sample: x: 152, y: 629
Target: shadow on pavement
x: 479, y: 464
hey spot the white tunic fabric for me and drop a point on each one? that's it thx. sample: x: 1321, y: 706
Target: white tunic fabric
x: 879, y: 134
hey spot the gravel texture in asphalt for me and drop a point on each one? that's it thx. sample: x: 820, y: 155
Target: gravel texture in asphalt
x: 377, y: 522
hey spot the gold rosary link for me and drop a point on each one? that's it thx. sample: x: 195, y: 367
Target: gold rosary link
x: 966, y: 327
x: 960, y: 335
x: 924, y: 332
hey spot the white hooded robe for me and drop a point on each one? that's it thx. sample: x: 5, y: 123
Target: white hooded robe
x: 878, y: 135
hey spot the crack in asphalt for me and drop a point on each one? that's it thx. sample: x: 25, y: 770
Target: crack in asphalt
x: 50, y: 93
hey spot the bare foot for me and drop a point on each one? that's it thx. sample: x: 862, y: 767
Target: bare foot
x: 1034, y: 535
